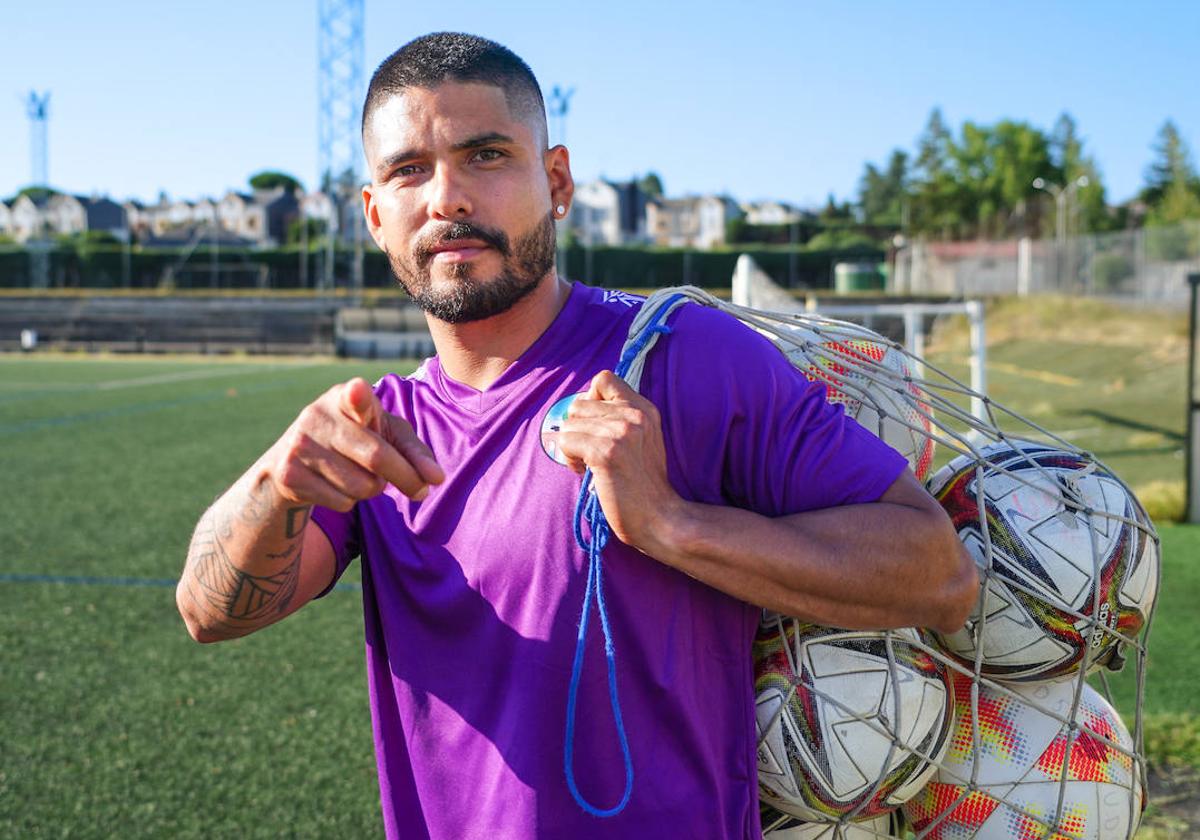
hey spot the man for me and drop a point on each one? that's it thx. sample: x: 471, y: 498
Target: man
x: 729, y: 483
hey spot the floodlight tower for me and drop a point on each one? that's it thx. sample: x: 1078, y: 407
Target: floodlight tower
x: 38, y: 110
x: 339, y: 94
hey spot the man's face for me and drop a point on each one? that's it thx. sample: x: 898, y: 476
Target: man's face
x: 460, y: 198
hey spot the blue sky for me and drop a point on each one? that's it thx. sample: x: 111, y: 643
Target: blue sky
x: 783, y: 100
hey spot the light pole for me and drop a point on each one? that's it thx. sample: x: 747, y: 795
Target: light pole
x: 559, y: 104
x: 1062, y: 197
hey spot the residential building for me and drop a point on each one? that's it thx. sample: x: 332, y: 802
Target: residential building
x: 608, y: 213
x: 40, y: 215
x: 692, y: 222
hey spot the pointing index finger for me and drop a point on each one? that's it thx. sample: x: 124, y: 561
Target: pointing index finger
x: 359, y: 403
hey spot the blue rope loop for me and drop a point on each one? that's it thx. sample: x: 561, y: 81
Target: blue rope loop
x: 587, y: 508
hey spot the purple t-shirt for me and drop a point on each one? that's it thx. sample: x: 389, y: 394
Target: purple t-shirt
x: 472, y: 597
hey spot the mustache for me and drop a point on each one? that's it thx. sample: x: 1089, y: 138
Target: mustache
x: 454, y: 231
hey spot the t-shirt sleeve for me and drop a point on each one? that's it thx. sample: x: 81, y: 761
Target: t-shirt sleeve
x: 342, y: 529
x: 737, y: 405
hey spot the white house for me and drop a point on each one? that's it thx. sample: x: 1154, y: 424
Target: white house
x: 608, y: 213
x: 692, y: 222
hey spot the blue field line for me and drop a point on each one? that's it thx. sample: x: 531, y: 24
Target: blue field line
x: 135, y: 408
x: 90, y: 580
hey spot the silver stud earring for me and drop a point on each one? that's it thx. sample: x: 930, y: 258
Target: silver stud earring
x: 561, y: 210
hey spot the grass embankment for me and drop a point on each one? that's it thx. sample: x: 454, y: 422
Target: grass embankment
x: 1109, y: 379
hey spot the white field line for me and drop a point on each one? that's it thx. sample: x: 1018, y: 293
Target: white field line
x: 188, y: 376
x: 1035, y: 374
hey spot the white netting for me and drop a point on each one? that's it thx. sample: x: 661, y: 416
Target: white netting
x: 1024, y: 746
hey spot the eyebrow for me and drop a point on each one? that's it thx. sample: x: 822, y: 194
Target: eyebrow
x: 486, y: 139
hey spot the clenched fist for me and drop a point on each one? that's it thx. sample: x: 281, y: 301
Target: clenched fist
x: 617, y: 433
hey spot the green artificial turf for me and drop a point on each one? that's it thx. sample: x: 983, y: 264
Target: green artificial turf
x: 115, y: 723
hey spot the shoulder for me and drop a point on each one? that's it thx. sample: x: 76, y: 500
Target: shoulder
x: 397, y: 393
x: 608, y: 304
x: 714, y: 341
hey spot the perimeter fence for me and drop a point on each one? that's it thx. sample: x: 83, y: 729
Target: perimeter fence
x: 1149, y: 265
x: 66, y: 265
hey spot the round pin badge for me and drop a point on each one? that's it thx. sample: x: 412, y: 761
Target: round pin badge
x: 552, y: 424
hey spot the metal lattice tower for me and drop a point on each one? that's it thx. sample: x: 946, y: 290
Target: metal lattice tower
x: 38, y: 110
x: 339, y: 90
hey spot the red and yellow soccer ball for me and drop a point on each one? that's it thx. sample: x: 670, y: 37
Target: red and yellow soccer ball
x: 849, y: 723
x: 1070, y: 560
x: 1024, y: 758
x: 872, y: 380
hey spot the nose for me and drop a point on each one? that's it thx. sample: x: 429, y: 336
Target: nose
x: 448, y: 198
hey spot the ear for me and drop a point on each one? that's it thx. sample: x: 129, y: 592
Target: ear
x: 371, y: 213
x: 558, y: 175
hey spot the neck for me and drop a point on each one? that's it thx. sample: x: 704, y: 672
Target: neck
x: 477, y: 353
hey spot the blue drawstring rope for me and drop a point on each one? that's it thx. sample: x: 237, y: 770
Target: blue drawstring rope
x: 587, y: 507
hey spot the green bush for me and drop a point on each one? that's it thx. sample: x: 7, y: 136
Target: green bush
x: 1109, y: 271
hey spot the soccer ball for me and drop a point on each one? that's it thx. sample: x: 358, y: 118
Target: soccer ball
x: 1024, y: 759
x: 1068, y: 541
x: 779, y: 826
x: 849, y: 723
x: 873, y: 381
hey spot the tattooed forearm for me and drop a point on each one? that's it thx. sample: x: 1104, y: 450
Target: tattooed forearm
x: 243, y: 565
x: 234, y: 593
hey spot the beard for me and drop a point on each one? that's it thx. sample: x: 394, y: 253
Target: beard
x: 471, y: 298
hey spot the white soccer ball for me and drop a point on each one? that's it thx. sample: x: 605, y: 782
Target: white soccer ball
x: 1070, y: 559
x: 849, y: 723
x: 873, y: 381
x: 1024, y: 759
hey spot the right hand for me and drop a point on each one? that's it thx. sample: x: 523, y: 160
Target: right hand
x: 345, y: 447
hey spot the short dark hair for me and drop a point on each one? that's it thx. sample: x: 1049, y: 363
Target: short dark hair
x: 428, y: 61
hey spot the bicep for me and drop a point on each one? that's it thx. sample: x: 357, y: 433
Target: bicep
x: 317, y: 567
x: 906, y: 490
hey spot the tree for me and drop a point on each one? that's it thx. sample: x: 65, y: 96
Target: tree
x: 933, y: 147
x: 882, y: 195
x: 995, y: 170
x: 836, y: 213
x: 1171, y: 168
x: 270, y: 179
x: 35, y: 193
x: 932, y: 183
x: 651, y: 185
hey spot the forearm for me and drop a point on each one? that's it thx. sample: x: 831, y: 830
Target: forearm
x: 863, y: 566
x: 244, y: 560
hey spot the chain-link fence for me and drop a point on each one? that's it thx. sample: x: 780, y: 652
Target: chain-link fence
x: 1148, y: 265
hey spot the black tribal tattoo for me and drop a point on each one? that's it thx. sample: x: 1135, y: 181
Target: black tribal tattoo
x: 237, y: 594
